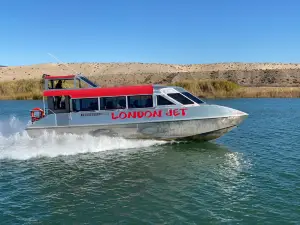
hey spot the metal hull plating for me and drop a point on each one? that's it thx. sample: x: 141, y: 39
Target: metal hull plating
x: 185, y: 129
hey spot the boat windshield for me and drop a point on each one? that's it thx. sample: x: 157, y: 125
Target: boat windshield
x: 192, y: 97
x: 88, y: 81
x: 185, y: 98
x: 179, y: 97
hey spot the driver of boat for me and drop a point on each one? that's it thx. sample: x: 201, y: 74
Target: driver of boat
x: 58, y: 98
x: 58, y: 85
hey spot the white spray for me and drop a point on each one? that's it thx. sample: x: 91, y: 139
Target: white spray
x: 16, y: 144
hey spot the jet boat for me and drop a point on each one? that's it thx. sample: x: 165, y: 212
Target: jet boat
x: 134, y: 112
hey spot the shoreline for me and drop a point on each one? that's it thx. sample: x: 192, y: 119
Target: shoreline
x: 243, y: 74
x: 206, y: 89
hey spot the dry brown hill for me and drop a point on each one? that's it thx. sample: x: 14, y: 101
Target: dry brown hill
x: 247, y: 74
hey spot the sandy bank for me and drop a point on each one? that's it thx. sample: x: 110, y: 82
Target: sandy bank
x: 110, y: 74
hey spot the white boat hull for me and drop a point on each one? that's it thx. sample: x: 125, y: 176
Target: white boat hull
x: 133, y: 112
x: 200, y: 129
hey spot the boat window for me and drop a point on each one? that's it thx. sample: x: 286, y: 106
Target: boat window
x: 60, y: 84
x: 140, y: 101
x: 163, y: 101
x: 190, y: 96
x: 180, y: 98
x: 111, y: 103
x: 86, y: 104
x: 58, y: 102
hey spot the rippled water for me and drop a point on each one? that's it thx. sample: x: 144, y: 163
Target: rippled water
x: 249, y: 176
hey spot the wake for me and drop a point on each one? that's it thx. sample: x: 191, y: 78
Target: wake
x: 15, y: 143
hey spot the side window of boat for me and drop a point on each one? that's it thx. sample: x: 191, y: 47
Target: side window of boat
x: 180, y: 98
x: 140, y: 101
x: 192, y: 97
x: 112, y: 103
x: 86, y: 104
x: 76, y: 105
x: 163, y: 101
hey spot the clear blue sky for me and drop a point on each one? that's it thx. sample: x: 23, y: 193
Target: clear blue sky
x: 162, y: 31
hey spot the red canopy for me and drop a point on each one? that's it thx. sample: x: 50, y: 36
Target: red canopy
x: 59, y: 77
x: 101, y: 92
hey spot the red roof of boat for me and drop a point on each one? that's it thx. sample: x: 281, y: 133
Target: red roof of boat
x: 101, y: 92
x: 59, y: 77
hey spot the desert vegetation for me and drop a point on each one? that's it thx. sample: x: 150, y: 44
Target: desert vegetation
x: 31, y: 89
x: 218, y: 80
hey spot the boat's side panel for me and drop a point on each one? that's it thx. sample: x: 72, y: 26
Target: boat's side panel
x: 152, y: 130
x: 139, y: 116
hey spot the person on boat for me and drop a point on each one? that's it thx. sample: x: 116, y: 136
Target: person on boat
x: 122, y: 104
x: 149, y: 102
x: 58, y: 85
x: 58, y: 98
x: 109, y: 105
x: 136, y: 104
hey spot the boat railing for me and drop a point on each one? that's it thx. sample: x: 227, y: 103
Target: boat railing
x: 55, y: 116
x: 70, y: 116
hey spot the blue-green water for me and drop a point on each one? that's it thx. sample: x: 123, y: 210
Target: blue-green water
x: 249, y: 176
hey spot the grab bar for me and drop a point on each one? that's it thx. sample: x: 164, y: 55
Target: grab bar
x: 55, y: 117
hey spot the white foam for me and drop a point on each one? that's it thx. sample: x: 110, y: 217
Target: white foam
x: 15, y: 143
x: 11, y: 126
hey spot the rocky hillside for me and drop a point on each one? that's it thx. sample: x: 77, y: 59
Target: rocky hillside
x: 246, y: 74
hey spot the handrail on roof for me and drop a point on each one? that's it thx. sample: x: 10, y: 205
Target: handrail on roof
x: 79, y: 77
x: 50, y: 77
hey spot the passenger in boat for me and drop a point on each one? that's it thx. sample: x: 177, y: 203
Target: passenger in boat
x: 136, y: 104
x: 149, y: 103
x: 93, y: 106
x: 58, y: 98
x: 109, y: 105
x: 122, y: 104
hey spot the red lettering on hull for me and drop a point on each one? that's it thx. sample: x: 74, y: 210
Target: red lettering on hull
x: 113, y: 116
x: 176, y: 112
x: 183, y: 112
x: 122, y: 115
x: 140, y: 114
x: 148, y: 114
x: 170, y: 112
x: 131, y: 115
x: 157, y: 113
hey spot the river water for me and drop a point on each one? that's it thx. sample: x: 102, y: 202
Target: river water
x: 249, y: 176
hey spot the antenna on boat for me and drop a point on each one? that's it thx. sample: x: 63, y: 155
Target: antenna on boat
x: 63, y: 63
